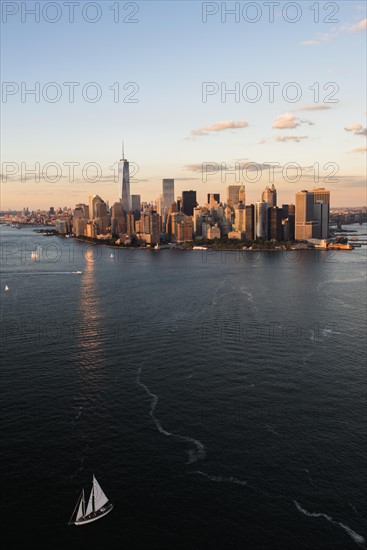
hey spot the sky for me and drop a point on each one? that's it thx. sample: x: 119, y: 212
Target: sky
x: 159, y: 76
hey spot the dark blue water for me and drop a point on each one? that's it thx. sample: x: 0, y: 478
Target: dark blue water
x: 219, y: 398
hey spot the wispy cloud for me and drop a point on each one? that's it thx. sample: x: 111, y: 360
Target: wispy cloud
x: 357, y: 129
x: 320, y: 38
x: 219, y: 127
x: 216, y: 167
x: 286, y: 121
x: 353, y: 127
x: 360, y: 149
x: 285, y: 139
x: 310, y: 43
x: 195, y: 167
x: 334, y: 32
x: 282, y: 139
x: 358, y: 27
x: 315, y: 108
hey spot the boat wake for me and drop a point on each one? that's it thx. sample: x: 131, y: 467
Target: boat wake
x: 248, y: 294
x: 198, y: 453
x: 221, y: 479
x: 355, y: 536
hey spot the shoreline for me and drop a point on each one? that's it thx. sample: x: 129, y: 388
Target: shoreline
x: 293, y: 248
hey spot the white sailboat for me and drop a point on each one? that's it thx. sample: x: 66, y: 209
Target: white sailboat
x: 98, y: 506
x: 6, y: 288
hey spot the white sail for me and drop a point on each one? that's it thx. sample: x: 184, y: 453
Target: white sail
x: 100, y: 498
x: 80, y: 512
x: 6, y: 288
x: 90, y: 509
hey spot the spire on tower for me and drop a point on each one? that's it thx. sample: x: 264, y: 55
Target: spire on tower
x: 123, y: 150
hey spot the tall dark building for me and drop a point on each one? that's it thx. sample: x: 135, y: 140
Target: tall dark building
x: 188, y: 202
x: 135, y: 202
x: 216, y: 197
x: 320, y: 229
x: 275, y: 217
x: 285, y: 208
x: 288, y: 227
x: 250, y: 222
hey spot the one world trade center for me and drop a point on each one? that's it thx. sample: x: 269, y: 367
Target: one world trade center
x: 124, y: 182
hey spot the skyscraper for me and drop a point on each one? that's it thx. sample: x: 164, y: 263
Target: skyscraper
x: 168, y: 193
x: 130, y: 223
x: 242, y: 195
x: 233, y: 192
x: 275, y: 228
x: 155, y: 222
x: 197, y: 221
x: 304, y: 215
x: 188, y: 202
x: 240, y: 213
x: 261, y: 211
x: 269, y: 195
x: 321, y: 194
x: 184, y: 230
x: 94, y: 200
x: 250, y: 222
x: 135, y: 203
x: 320, y: 229
x: 118, y: 219
x: 322, y: 213
x: 174, y: 219
x: 124, y: 182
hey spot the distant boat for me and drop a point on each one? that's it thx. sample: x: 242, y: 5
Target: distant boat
x: 34, y: 256
x: 111, y: 255
x: 199, y: 248
x: 77, y: 272
x: 6, y: 288
x: 98, y: 506
x: 161, y: 246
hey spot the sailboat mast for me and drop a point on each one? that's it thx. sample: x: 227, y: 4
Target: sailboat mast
x: 76, y: 507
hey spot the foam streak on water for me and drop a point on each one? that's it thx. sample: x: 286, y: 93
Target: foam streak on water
x: 355, y: 536
x: 194, y: 454
x: 222, y: 479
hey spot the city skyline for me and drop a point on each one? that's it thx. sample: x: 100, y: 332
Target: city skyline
x: 185, y: 220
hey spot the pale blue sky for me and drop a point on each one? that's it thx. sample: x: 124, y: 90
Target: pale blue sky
x: 169, y: 53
